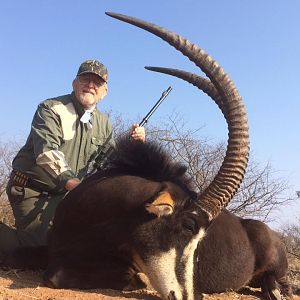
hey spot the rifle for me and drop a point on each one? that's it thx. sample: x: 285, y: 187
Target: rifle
x: 107, y: 148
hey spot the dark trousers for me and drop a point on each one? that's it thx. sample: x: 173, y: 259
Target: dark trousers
x: 33, y: 212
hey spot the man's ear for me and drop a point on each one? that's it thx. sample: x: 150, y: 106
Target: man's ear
x: 73, y: 83
x: 163, y: 205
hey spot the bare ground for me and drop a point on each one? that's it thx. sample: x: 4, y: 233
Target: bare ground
x: 27, y: 285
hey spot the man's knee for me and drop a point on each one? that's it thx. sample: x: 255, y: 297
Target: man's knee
x: 11, y: 238
x: 8, y: 239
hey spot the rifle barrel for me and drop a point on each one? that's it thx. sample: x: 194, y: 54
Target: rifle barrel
x: 160, y: 100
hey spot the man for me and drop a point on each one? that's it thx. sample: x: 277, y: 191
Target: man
x: 67, y: 134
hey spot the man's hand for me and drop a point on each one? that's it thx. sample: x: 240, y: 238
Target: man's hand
x: 72, y: 183
x: 138, y: 133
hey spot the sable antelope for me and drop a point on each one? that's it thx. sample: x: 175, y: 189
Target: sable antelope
x: 140, y: 213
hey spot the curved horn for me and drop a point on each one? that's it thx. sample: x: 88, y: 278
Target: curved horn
x: 201, y: 83
x: 231, y: 173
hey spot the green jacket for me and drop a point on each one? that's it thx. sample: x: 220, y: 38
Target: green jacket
x: 60, y: 146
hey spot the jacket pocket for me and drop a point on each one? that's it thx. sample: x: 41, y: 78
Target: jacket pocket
x: 16, y: 194
x: 96, y: 147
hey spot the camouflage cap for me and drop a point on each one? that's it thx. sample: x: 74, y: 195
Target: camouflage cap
x: 95, y: 67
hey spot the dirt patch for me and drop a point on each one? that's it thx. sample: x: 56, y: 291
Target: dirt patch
x: 28, y: 285
x: 21, y: 285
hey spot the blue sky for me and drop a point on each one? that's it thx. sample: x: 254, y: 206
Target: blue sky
x: 257, y: 42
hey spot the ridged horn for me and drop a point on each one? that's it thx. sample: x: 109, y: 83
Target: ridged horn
x: 200, y: 82
x: 231, y: 173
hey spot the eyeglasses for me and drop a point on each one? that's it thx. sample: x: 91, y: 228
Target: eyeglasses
x: 86, y: 79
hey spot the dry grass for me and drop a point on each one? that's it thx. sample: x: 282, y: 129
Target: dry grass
x: 294, y: 274
x: 6, y: 215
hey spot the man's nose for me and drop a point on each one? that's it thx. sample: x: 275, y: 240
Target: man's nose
x: 91, y: 83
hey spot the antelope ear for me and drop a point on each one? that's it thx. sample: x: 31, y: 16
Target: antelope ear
x: 163, y: 205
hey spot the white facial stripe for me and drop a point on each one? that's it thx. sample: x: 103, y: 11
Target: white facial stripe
x: 164, y: 265
x: 160, y: 270
x: 188, y: 261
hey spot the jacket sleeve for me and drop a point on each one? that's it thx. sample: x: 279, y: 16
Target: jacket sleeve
x: 47, y: 137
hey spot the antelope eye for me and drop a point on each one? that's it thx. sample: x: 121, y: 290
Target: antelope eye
x: 190, y: 225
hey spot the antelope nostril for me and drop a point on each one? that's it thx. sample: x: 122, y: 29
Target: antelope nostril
x: 172, y: 296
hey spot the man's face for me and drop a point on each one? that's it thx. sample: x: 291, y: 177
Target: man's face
x: 89, y: 89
